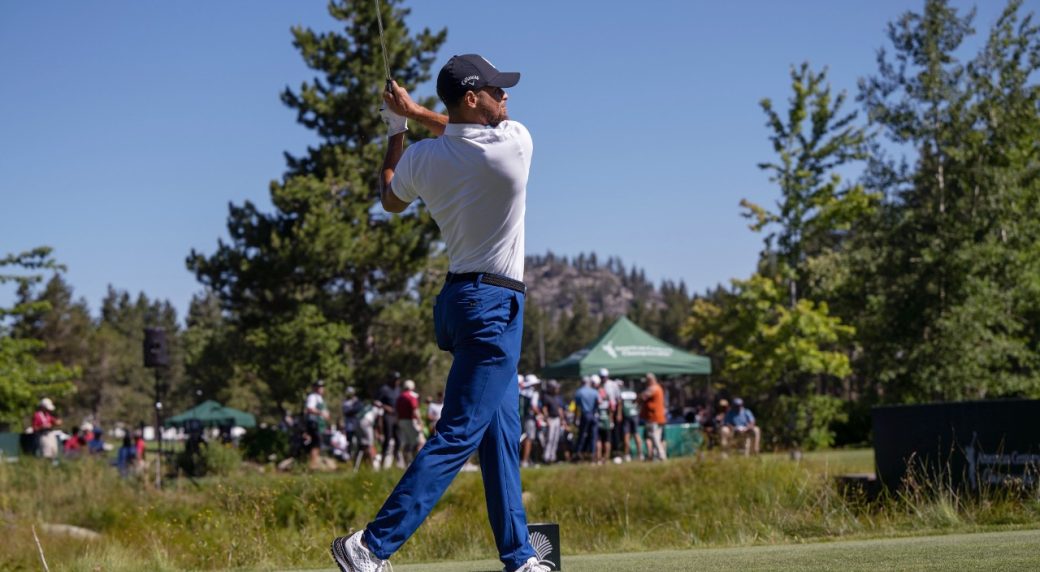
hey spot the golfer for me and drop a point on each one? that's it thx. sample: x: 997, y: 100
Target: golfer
x: 473, y: 180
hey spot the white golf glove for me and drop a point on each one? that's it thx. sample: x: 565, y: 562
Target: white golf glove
x: 394, y: 123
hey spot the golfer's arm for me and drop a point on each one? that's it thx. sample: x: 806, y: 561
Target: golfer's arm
x: 431, y: 120
x: 394, y: 150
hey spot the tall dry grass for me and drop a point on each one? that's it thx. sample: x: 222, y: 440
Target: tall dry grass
x: 266, y: 521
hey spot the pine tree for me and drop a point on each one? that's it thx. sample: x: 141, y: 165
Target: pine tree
x: 312, y: 286
x: 24, y: 378
x: 948, y: 266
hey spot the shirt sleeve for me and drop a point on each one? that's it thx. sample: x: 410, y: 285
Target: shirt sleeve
x: 403, y: 184
x: 526, y: 142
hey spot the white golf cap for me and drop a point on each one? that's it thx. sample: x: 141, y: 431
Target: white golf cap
x: 604, y: 373
x: 409, y: 385
x: 596, y: 380
x: 586, y: 379
x: 47, y: 404
x: 531, y: 379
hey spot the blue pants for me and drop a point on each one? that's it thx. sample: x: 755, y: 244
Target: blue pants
x: 588, y: 431
x: 481, y: 325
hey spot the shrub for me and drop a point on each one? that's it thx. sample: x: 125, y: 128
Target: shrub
x: 804, y: 422
x: 265, y: 445
x: 212, y: 459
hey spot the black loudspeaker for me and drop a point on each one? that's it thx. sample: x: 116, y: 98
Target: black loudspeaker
x: 155, y: 354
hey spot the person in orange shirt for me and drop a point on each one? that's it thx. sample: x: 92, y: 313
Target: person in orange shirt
x: 652, y: 413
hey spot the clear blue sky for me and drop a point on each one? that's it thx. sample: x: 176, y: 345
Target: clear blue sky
x: 127, y: 127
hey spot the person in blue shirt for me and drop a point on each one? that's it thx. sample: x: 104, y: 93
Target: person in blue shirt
x: 96, y: 445
x: 125, y: 457
x: 738, y: 426
x: 587, y: 399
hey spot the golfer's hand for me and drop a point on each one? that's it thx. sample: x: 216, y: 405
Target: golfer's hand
x: 395, y: 123
x: 396, y: 99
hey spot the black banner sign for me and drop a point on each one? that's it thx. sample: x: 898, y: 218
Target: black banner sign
x: 973, y: 443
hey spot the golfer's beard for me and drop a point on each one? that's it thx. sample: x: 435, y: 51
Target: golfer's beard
x: 495, y: 117
x: 504, y: 116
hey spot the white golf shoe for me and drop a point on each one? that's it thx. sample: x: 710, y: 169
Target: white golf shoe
x: 352, y: 556
x: 532, y: 565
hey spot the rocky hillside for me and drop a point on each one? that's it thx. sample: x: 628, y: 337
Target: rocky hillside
x: 555, y: 283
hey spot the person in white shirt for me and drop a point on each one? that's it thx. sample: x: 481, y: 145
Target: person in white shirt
x: 316, y: 419
x: 370, y: 414
x: 472, y: 179
x: 433, y: 412
x: 612, y: 387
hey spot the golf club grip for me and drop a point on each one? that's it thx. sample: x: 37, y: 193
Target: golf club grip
x: 389, y: 84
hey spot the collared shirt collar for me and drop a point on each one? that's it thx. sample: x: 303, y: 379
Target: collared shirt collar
x: 465, y: 129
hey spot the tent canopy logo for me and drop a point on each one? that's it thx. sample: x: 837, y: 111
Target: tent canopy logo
x: 636, y: 351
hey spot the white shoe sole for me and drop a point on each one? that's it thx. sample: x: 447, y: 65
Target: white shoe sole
x: 340, y: 555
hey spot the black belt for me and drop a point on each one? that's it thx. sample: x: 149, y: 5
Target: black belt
x: 488, y: 278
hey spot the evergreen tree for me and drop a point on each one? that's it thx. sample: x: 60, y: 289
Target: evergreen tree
x: 24, y: 378
x: 949, y: 263
x: 116, y: 385
x: 675, y: 310
x: 311, y: 287
x: 65, y: 330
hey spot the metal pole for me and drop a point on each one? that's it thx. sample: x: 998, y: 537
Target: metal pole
x: 158, y: 429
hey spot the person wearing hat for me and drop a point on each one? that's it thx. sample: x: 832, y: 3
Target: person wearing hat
x: 530, y: 408
x: 316, y: 418
x: 739, y: 425
x: 604, y: 420
x: 45, y: 425
x: 472, y: 179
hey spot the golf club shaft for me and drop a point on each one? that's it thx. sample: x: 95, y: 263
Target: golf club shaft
x: 382, y: 44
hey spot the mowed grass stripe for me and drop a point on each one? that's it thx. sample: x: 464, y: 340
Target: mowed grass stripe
x: 1016, y: 550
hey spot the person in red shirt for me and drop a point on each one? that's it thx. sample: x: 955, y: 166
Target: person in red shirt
x: 654, y: 416
x: 72, y: 445
x: 44, y: 424
x: 409, y: 421
x: 139, y: 446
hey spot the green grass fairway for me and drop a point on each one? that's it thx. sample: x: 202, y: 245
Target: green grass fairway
x: 1018, y: 550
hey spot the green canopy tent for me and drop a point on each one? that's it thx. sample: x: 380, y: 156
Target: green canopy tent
x: 210, y: 413
x: 625, y: 349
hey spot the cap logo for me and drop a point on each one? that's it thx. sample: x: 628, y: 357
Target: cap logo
x: 471, y: 80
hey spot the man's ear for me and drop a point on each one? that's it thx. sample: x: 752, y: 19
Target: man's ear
x: 470, y: 99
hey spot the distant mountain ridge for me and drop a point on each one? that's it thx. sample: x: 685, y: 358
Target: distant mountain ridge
x: 556, y: 282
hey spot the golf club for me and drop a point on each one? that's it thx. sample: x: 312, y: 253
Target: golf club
x: 382, y: 43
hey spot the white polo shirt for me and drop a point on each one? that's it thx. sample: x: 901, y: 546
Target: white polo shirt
x: 473, y: 180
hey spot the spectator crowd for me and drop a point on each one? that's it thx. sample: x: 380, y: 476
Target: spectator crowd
x: 605, y: 420
x: 48, y: 439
